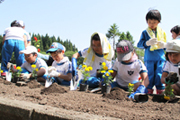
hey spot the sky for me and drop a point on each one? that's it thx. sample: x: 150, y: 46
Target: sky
x: 77, y: 20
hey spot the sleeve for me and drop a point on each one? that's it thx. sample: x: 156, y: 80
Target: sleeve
x: 69, y: 68
x: 83, y: 53
x: 142, y: 42
x: 166, y: 67
x: 164, y: 37
x: 142, y: 67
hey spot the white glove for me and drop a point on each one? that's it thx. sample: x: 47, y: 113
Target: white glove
x: 54, y: 74
x: 151, y: 42
x: 161, y: 44
x: 25, y: 75
x: 50, y: 69
x: 10, y: 66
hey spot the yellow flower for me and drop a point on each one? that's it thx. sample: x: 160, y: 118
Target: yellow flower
x: 36, y: 69
x: 103, y: 64
x: 107, y: 74
x: 37, y: 45
x: 90, y: 68
x: 18, y: 68
x: 33, y: 66
x: 172, y: 90
x: 110, y: 71
x: 1, y: 71
x: 87, y: 69
x: 167, y: 97
x: 105, y: 68
x: 103, y: 71
x: 84, y: 66
x: 130, y: 85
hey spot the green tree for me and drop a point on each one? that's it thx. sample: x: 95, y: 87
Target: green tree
x: 113, y: 32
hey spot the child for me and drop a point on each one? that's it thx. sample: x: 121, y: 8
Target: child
x: 172, y: 63
x: 153, y: 59
x: 99, y: 51
x: 62, y: 65
x: 31, y: 58
x: 127, y: 69
x: 175, y: 32
x: 14, y: 40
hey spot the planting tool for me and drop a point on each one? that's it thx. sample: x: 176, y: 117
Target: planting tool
x: 96, y: 89
x: 73, y: 83
x: 9, y: 74
x: 141, y: 97
x: 49, y: 81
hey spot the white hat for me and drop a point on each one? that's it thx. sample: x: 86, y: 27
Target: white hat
x: 29, y: 50
x: 20, y: 22
x: 173, y: 46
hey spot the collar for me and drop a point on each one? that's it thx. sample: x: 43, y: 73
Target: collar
x: 126, y: 63
x: 34, y: 62
x: 60, y: 63
x: 99, y: 55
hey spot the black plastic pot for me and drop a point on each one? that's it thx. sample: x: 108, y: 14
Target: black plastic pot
x: 141, y: 97
x: 15, y: 79
x: 84, y: 87
x: 105, y: 89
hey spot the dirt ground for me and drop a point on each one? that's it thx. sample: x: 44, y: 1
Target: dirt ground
x: 114, y: 104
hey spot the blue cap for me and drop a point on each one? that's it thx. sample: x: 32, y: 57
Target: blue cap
x: 55, y: 46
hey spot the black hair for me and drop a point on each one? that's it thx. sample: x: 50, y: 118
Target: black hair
x: 175, y: 29
x: 33, y: 53
x: 166, y: 56
x: 15, y: 24
x: 96, y: 37
x: 153, y: 14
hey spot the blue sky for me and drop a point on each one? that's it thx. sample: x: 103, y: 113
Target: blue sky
x: 76, y: 20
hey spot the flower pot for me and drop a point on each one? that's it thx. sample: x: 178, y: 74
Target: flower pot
x: 15, y: 79
x: 84, y: 87
x: 141, y: 97
x: 105, y: 89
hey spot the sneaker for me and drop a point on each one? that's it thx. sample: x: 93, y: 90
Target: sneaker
x: 3, y: 74
x: 159, y: 91
x: 150, y: 91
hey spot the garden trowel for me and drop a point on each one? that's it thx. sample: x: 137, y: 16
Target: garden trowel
x: 73, y: 84
x: 49, y: 81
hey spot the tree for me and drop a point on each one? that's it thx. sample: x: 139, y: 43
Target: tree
x: 112, y: 33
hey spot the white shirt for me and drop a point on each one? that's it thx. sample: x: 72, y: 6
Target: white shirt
x: 63, y: 67
x: 97, y: 62
x: 39, y: 63
x: 14, y: 33
x: 128, y: 72
x: 170, y: 67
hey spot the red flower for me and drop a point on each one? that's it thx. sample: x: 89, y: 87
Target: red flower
x: 14, y: 66
x: 39, y: 50
x: 35, y: 38
x: 139, y: 78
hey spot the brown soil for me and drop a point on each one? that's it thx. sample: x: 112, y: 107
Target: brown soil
x: 114, y: 104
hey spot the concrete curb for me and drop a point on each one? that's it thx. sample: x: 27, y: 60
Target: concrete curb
x: 22, y: 110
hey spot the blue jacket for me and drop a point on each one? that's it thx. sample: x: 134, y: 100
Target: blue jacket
x: 155, y: 55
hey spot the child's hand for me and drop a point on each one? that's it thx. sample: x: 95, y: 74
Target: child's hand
x: 54, y: 74
x: 161, y: 44
x: 171, y: 78
x: 50, y: 69
x: 151, y: 42
x: 25, y: 76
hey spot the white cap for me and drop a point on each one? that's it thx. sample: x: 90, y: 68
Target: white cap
x: 29, y: 50
x: 173, y: 46
x: 20, y: 22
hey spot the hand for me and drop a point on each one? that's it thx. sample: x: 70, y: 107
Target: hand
x: 9, y: 65
x: 74, y: 66
x: 161, y: 44
x: 25, y: 75
x: 54, y: 74
x: 140, y: 89
x: 151, y: 42
x: 50, y: 69
x: 171, y: 78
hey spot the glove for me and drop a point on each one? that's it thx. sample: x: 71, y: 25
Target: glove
x: 25, y: 75
x: 140, y: 89
x: 10, y: 66
x: 151, y: 42
x: 50, y: 69
x: 171, y: 78
x: 54, y: 74
x: 74, y: 66
x: 161, y: 44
